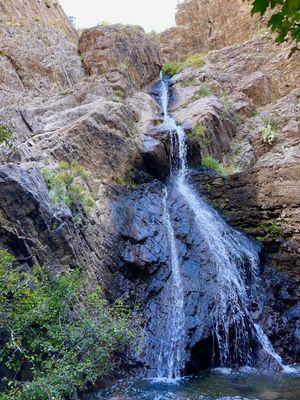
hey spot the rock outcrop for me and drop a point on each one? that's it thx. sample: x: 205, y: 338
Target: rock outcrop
x: 56, y: 112
x: 204, y: 25
x: 120, y: 52
x: 38, y: 51
x: 24, y: 13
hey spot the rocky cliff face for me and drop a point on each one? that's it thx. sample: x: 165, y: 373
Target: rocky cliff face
x: 38, y: 51
x: 120, y: 52
x: 23, y: 13
x: 56, y: 111
x: 203, y: 25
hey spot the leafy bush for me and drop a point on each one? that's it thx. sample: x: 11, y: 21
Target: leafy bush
x: 6, y: 137
x: 104, y: 23
x: 171, y: 68
x: 193, y: 61
x: 204, y: 90
x: 283, y: 19
x: 212, y: 163
x: 197, y: 133
x: 271, y: 230
x: 57, y: 336
x: 64, y: 186
x: 269, y: 134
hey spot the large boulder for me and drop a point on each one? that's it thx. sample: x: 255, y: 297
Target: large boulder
x: 120, y: 51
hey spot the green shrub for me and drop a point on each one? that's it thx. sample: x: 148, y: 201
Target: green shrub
x: 64, y: 187
x: 171, y: 68
x: 6, y: 137
x: 270, y: 230
x: 269, y: 134
x: 104, y: 23
x: 197, y: 133
x: 194, y: 61
x: 204, y: 90
x: 119, y: 93
x: 57, y: 335
x: 227, y: 101
x: 212, y: 163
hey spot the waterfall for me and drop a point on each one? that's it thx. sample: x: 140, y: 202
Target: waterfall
x: 234, y: 261
x: 173, y: 343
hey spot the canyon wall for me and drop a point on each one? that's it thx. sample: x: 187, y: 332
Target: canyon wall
x: 203, y: 25
x: 23, y: 13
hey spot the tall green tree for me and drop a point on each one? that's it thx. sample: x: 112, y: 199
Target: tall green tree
x: 284, y: 19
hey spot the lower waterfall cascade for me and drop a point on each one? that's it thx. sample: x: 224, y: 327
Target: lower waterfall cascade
x: 234, y: 264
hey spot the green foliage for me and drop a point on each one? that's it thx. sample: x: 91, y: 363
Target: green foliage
x: 119, y: 93
x: 104, y: 23
x: 57, y: 335
x: 125, y: 181
x: 198, y: 133
x: 269, y: 133
x: 284, y: 19
x: 212, y: 163
x: 65, y: 188
x: 271, y: 230
x: 227, y: 101
x: 193, y: 61
x: 204, y: 90
x: 171, y: 68
x: 6, y: 137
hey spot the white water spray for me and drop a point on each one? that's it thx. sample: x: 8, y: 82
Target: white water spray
x: 174, y: 340
x: 233, y: 257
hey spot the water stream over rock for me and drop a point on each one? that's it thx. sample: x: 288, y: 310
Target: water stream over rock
x: 232, y: 263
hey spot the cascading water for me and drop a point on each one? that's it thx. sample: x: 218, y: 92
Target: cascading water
x: 234, y: 261
x: 173, y: 343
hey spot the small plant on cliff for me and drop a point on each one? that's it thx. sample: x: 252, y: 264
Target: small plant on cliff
x: 171, y: 68
x: 204, y: 90
x: 104, y: 23
x: 212, y: 163
x: 198, y: 133
x: 6, y: 137
x: 270, y: 230
x: 269, y: 134
x: 57, y: 336
x: 194, y: 61
x: 65, y: 183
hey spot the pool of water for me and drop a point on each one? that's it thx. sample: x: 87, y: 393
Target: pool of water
x: 219, y: 384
